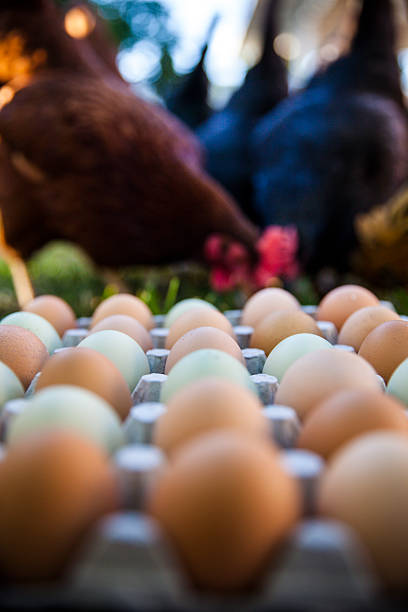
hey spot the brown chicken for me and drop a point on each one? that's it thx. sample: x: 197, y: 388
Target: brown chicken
x: 84, y: 159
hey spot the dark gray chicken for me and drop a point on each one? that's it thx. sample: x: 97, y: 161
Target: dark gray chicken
x: 189, y: 99
x: 225, y: 135
x: 338, y: 148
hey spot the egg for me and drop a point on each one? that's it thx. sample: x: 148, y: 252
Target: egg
x: 56, y: 310
x: 205, y: 405
x: 289, y: 350
x: 386, y: 346
x: 347, y: 415
x: 266, y: 301
x: 126, y: 325
x: 10, y: 385
x: 357, y: 327
x: 58, y: 485
x: 226, y: 504
x: 398, y: 383
x: 203, y: 364
x: 279, y: 325
x: 366, y: 486
x: 71, y: 408
x: 126, y: 304
x: 22, y: 351
x: 197, y: 317
x: 84, y: 367
x: 182, y: 307
x: 200, y: 338
x: 123, y: 351
x: 341, y: 302
x: 317, y: 375
x: 36, y: 324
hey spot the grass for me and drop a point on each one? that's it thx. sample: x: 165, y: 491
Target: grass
x: 62, y: 269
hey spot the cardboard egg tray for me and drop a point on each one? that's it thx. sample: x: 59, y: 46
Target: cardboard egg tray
x: 126, y: 563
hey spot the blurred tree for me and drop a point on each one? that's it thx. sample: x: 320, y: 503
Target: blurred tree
x: 134, y: 21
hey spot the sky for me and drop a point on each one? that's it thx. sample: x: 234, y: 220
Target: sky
x: 191, y: 20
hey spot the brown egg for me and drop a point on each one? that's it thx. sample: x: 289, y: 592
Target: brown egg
x: 56, y: 310
x: 280, y: 325
x: 200, y: 338
x: 226, y: 504
x: 126, y: 325
x: 22, y: 351
x: 386, y: 347
x: 194, y: 318
x: 266, y: 301
x: 341, y: 302
x: 58, y: 484
x: 348, y: 414
x: 126, y: 304
x: 205, y: 405
x: 366, y: 486
x: 362, y: 322
x: 84, y: 367
x: 315, y: 376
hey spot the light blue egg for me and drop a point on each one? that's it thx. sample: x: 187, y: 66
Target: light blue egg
x: 10, y: 385
x: 124, y: 352
x: 203, y: 364
x: 289, y: 350
x: 398, y: 383
x: 69, y: 407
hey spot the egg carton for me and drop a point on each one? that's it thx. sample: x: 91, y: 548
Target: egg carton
x: 321, y: 565
x: 126, y: 564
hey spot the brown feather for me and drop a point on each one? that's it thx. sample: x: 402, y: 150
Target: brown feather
x: 123, y: 177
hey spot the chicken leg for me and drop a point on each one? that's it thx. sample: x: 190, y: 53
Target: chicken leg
x: 21, y: 280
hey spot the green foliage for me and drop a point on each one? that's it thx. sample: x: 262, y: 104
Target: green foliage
x: 133, y: 21
x: 62, y: 269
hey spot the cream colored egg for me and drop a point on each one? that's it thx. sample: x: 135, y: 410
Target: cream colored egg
x: 58, y: 486
x: 266, y: 301
x: 127, y: 304
x: 280, y: 325
x: 342, y: 301
x: 357, y: 327
x: 56, y: 310
x: 347, y: 415
x: 226, y: 504
x: 201, y: 338
x: 197, y: 317
x: 205, y: 405
x: 127, y: 325
x: 317, y: 375
x: 366, y: 486
x: 386, y: 346
x: 84, y: 367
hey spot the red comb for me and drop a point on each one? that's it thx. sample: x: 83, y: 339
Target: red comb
x: 231, y: 265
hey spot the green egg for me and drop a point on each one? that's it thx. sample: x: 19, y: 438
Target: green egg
x: 10, y: 386
x: 182, y: 307
x: 203, y: 364
x: 398, y: 383
x: 289, y: 350
x: 69, y: 407
x: 127, y: 355
x: 38, y: 325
